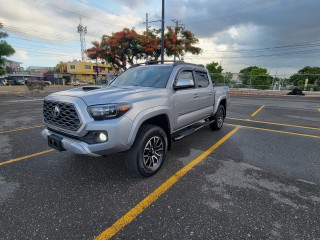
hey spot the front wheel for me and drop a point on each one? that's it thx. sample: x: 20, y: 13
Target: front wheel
x: 148, y: 151
x: 219, y: 118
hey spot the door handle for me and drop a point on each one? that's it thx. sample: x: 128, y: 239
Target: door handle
x: 195, y: 95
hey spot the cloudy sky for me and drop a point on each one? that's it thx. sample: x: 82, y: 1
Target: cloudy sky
x: 280, y: 35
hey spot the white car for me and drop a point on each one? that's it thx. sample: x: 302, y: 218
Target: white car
x: 80, y: 83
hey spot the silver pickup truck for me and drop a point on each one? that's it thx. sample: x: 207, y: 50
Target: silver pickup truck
x: 142, y: 111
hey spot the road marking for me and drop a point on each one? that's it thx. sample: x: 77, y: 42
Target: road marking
x: 256, y: 112
x: 20, y: 129
x: 146, y: 202
x: 273, y: 123
x: 271, y: 130
x: 25, y: 157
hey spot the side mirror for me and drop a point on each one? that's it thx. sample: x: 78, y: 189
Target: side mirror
x: 183, y: 83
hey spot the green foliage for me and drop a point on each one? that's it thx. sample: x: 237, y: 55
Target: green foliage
x: 127, y: 45
x: 256, y: 76
x: 5, y: 50
x: 215, y: 71
x: 312, y: 73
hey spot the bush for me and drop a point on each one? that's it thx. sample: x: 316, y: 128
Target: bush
x: 35, y: 85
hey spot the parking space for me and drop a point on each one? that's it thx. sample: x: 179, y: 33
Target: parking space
x: 257, y: 181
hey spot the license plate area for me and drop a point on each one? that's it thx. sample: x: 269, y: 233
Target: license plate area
x: 54, y: 142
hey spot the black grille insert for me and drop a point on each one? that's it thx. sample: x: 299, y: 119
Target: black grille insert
x: 61, y: 114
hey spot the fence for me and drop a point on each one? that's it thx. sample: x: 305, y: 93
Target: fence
x: 306, y: 82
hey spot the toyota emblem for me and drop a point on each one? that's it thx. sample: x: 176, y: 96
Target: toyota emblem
x: 55, y: 111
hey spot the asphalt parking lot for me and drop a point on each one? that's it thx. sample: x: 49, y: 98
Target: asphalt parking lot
x: 257, y: 178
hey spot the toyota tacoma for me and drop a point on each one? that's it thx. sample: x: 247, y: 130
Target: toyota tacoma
x: 141, y: 112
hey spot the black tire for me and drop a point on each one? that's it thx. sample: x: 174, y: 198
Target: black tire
x: 148, y: 151
x: 219, y: 118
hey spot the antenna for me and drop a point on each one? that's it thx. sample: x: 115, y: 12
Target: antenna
x: 82, y: 31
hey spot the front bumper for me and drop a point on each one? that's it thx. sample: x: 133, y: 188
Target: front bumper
x: 118, y: 133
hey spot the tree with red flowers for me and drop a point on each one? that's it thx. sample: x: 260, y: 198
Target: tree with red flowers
x: 128, y: 46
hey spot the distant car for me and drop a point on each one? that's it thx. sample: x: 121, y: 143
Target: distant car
x: 20, y: 82
x: 296, y: 91
x: 80, y: 83
x: 48, y: 83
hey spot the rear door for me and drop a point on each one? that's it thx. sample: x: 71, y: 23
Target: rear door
x: 205, y: 92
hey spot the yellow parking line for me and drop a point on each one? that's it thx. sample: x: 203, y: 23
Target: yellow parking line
x: 271, y: 130
x: 273, y: 123
x: 145, y: 203
x: 256, y: 112
x: 20, y: 129
x: 25, y: 157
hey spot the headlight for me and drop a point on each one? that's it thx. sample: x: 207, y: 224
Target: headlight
x: 108, y: 111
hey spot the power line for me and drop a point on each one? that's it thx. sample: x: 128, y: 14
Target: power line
x: 38, y: 33
x: 99, y: 7
x: 225, y: 11
x: 25, y: 39
x: 294, y: 46
x: 227, y: 14
x: 76, y: 13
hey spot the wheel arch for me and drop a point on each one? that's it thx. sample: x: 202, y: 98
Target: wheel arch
x: 160, y: 119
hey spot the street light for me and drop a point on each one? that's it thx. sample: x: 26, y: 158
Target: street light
x: 162, y: 33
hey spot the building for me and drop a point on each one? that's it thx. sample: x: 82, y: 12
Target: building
x: 40, y: 71
x: 13, y: 68
x: 93, y: 73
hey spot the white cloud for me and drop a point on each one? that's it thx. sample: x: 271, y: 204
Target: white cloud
x: 22, y: 54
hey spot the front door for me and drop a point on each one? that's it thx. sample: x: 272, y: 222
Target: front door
x: 185, y: 102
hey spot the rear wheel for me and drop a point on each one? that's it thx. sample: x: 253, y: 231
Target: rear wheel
x: 147, y: 154
x: 219, y: 118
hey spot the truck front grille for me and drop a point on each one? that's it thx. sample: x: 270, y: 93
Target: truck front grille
x: 61, y: 114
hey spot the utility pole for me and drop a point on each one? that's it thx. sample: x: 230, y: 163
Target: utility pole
x: 82, y: 31
x: 176, y: 32
x: 147, y: 27
x: 162, y: 33
x: 147, y: 22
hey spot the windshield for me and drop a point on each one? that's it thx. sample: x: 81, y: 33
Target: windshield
x: 145, y: 76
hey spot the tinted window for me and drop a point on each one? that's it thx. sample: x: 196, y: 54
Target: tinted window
x: 145, y: 76
x: 202, y: 79
x: 185, y: 75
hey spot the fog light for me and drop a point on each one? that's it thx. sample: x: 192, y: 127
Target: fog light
x: 103, y: 137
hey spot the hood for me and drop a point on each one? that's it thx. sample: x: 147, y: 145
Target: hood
x: 111, y: 94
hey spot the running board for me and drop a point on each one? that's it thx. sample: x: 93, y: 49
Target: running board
x: 191, y: 130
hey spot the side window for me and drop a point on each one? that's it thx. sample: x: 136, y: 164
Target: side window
x: 185, y: 75
x: 72, y: 67
x: 202, y: 80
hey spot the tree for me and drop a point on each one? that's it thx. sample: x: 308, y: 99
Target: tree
x: 256, y: 77
x: 96, y: 52
x: 127, y: 46
x: 179, y: 41
x: 5, y: 50
x: 310, y: 73
x: 215, y: 71
x: 122, y: 47
x: 61, y: 67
